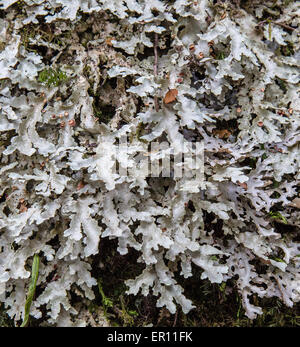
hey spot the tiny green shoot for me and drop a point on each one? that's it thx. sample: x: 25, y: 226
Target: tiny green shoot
x: 31, y: 290
x: 278, y: 215
x: 105, y: 300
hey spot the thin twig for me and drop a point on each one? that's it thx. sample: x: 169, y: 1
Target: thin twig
x: 277, y: 23
x: 284, y: 26
x: 155, y: 68
x: 155, y: 54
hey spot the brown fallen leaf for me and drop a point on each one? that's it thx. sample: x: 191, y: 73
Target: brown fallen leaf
x: 267, y: 183
x: 80, y: 185
x: 222, y: 134
x: 22, y: 207
x: 108, y: 41
x: 170, y: 96
x: 243, y: 185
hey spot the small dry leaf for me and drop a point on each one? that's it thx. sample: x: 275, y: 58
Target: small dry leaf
x: 260, y: 124
x: 243, y: 185
x: 108, y: 41
x: 267, y: 183
x: 22, y: 207
x: 222, y: 134
x: 170, y: 96
x: 80, y: 185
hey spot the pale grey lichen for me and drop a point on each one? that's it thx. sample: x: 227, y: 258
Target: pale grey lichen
x: 237, y: 77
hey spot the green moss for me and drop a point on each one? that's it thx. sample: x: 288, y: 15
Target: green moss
x: 127, y: 315
x: 87, y: 72
x: 220, y: 56
x: 278, y: 215
x: 252, y: 162
x: 139, y: 132
x: 275, y: 184
x: 106, y: 302
x: 288, y: 50
x: 51, y: 77
x: 281, y: 84
x: 26, y: 34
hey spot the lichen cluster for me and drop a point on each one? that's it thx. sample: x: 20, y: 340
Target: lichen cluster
x: 77, y: 76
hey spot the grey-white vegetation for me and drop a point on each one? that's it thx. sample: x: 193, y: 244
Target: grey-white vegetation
x: 236, y: 76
